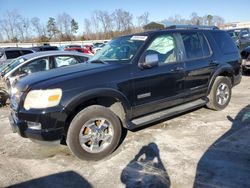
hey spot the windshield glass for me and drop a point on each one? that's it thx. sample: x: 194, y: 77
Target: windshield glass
x: 121, y: 49
x: 7, y: 68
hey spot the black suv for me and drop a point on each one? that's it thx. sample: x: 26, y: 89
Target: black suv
x: 241, y: 36
x: 133, y: 81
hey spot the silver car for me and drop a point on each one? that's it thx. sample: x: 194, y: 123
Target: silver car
x: 40, y: 61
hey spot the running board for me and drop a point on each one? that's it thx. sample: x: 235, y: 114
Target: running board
x: 144, y: 120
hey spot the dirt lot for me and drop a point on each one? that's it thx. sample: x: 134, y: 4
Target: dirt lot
x: 202, y: 148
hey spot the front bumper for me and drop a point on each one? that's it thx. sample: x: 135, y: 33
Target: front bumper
x: 21, y: 127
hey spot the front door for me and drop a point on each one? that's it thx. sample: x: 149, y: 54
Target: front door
x: 159, y: 87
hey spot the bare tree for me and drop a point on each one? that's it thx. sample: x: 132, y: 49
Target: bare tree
x: 23, y: 28
x: 87, y: 27
x: 143, y: 19
x: 4, y: 29
x: 123, y: 20
x: 218, y: 21
x: 105, y: 20
x: 9, y: 24
x: 64, y: 23
x: 37, y: 26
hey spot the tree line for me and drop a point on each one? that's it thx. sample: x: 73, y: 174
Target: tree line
x: 100, y: 25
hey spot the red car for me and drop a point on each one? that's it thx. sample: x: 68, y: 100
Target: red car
x: 87, y: 49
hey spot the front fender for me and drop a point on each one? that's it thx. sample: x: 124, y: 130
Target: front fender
x: 94, y: 93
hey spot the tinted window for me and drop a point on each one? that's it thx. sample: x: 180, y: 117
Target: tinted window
x: 24, y: 52
x: 192, y: 45
x: 36, y: 66
x: 204, y: 45
x: 12, y: 54
x: 225, y: 42
x: 165, y: 47
x: 61, y: 61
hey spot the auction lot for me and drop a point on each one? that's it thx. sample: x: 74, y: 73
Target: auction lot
x: 203, y: 148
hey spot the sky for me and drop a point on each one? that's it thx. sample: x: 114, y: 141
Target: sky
x: 230, y: 10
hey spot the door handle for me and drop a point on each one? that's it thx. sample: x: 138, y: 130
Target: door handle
x: 214, y: 62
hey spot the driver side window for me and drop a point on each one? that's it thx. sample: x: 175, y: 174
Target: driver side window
x: 165, y: 47
x: 37, y: 65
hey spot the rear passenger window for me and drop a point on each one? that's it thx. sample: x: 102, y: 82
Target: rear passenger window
x: 204, y: 45
x: 225, y: 42
x: 61, y: 61
x: 12, y: 54
x: 196, y: 45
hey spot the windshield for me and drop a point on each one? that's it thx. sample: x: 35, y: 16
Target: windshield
x: 7, y: 68
x: 121, y: 49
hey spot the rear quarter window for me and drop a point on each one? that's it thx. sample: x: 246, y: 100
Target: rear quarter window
x: 225, y: 42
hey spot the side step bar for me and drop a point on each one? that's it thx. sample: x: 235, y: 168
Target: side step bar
x: 144, y: 120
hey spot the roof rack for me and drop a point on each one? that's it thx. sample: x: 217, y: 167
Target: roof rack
x: 192, y: 27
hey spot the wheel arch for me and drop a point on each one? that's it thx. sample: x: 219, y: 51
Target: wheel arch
x: 226, y: 72
x: 110, y: 98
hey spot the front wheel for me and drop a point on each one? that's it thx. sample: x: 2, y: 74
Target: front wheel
x: 220, y: 94
x: 94, y: 133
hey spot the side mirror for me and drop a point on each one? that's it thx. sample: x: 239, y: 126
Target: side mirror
x: 151, y: 60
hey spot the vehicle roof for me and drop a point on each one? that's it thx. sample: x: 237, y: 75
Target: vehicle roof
x: 54, y: 52
x: 175, y: 30
x: 14, y: 48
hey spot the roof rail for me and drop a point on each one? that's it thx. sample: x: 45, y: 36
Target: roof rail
x: 192, y: 27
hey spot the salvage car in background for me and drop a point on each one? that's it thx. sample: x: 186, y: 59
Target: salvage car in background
x: 245, y: 54
x: 241, y: 37
x: 10, y: 53
x: 87, y: 49
x: 37, y: 62
x: 46, y: 47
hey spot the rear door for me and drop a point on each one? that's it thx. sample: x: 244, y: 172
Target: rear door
x: 199, y: 64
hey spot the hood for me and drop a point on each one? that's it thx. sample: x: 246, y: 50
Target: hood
x: 69, y: 71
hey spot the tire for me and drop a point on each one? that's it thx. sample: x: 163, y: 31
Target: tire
x: 87, y: 121
x: 214, y: 102
x: 3, y: 98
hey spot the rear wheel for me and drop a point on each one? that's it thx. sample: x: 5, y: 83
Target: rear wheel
x: 220, y: 93
x: 3, y: 98
x: 94, y: 133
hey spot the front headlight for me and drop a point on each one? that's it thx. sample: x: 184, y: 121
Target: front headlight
x: 40, y: 99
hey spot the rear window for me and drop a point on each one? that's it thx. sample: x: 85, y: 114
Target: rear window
x: 12, y: 54
x: 225, y: 42
x: 196, y: 45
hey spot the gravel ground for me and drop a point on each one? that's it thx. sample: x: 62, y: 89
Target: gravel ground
x: 201, y: 148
